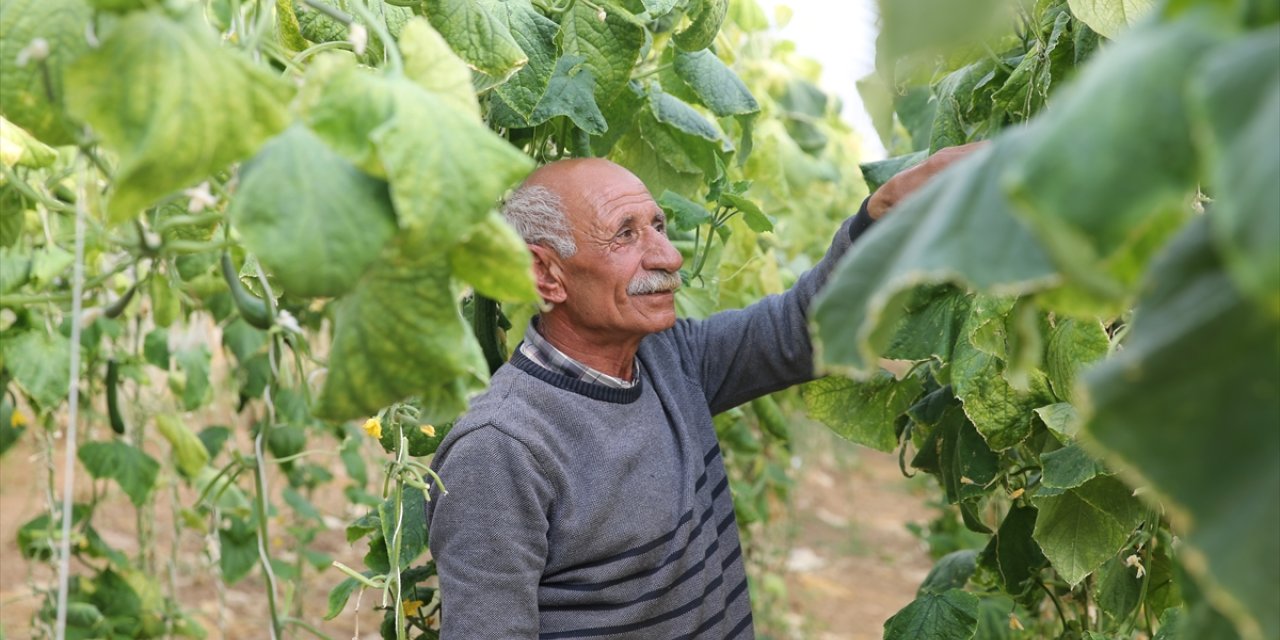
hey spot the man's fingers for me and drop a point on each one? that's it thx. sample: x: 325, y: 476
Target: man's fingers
x: 908, y: 181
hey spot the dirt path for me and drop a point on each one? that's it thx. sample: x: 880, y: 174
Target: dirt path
x: 851, y: 562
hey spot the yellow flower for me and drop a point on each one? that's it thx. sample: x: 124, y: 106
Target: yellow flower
x: 411, y: 607
x: 373, y: 427
x: 17, y: 419
x: 429, y: 430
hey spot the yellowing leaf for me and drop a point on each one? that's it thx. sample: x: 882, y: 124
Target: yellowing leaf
x: 430, y: 62
x: 495, y: 260
x: 1110, y: 17
x: 24, y: 98
x: 17, y: 147
x: 177, y: 106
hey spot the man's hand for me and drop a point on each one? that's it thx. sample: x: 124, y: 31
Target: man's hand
x: 905, y: 183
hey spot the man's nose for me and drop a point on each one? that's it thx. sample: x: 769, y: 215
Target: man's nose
x: 661, y: 254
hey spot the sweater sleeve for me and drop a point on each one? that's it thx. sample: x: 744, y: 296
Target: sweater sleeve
x: 742, y: 354
x: 488, y: 536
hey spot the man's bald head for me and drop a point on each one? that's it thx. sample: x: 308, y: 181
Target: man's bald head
x: 545, y: 206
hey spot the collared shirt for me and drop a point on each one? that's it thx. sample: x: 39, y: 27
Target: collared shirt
x: 536, y: 348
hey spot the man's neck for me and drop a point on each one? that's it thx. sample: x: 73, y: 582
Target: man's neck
x: 613, y: 357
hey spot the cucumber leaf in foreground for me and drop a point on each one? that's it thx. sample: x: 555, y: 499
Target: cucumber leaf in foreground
x: 1079, y: 529
x: 309, y: 215
x: 610, y: 46
x: 1204, y: 440
x: 862, y: 412
x: 1238, y: 95
x: 401, y: 334
x: 942, y: 234
x: 1130, y: 187
x: 171, y: 126
x: 536, y: 35
x: 949, y: 615
x: 24, y: 98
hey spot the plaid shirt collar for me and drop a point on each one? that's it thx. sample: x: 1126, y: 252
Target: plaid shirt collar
x: 536, y: 348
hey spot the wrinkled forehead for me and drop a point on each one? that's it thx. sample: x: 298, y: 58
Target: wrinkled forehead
x: 596, y: 191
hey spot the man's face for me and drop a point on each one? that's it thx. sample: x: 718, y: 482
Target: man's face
x: 621, y: 282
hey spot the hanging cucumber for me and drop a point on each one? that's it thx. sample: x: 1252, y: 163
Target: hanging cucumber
x: 113, y: 396
x: 251, y: 308
x: 114, y: 309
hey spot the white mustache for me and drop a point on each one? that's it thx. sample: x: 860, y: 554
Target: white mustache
x: 653, y: 282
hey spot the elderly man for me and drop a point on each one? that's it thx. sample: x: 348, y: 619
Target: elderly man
x: 587, y: 494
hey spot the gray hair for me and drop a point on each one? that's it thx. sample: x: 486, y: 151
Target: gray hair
x: 539, y: 217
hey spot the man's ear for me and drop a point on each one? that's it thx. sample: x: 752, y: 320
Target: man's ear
x: 548, y: 273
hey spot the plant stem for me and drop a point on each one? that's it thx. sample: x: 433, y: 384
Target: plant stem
x: 306, y: 625
x: 73, y: 404
x: 323, y: 46
x: 397, y: 539
x: 1057, y: 604
x: 260, y: 505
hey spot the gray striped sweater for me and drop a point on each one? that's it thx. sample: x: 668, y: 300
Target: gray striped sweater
x: 577, y: 510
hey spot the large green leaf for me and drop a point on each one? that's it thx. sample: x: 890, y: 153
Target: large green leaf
x: 1073, y: 345
x: 931, y: 324
x: 952, y: 571
x: 665, y: 158
x: 41, y: 363
x: 430, y: 62
x: 344, y: 105
x: 1237, y: 95
x: 1131, y: 187
x: 178, y: 107
x: 715, y: 84
x: 862, y: 412
x: 1110, y: 17
x: 1070, y: 467
x: 1190, y: 405
x: 400, y: 333
x: 447, y: 170
x: 478, y: 31
x: 950, y: 615
x: 569, y: 92
x: 134, y: 470
x: 24, y: 98
x: 611, y: 46
x: 1079, y: 529
x: 955, y: 95
x: 1012, y: 552
x: 942, y: 234
x: 1002, y: 413
x: 495, y: 260
x: 536, y: 35
x: 673, y: 111
x: 966, y: 466
x: 314, y: 219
